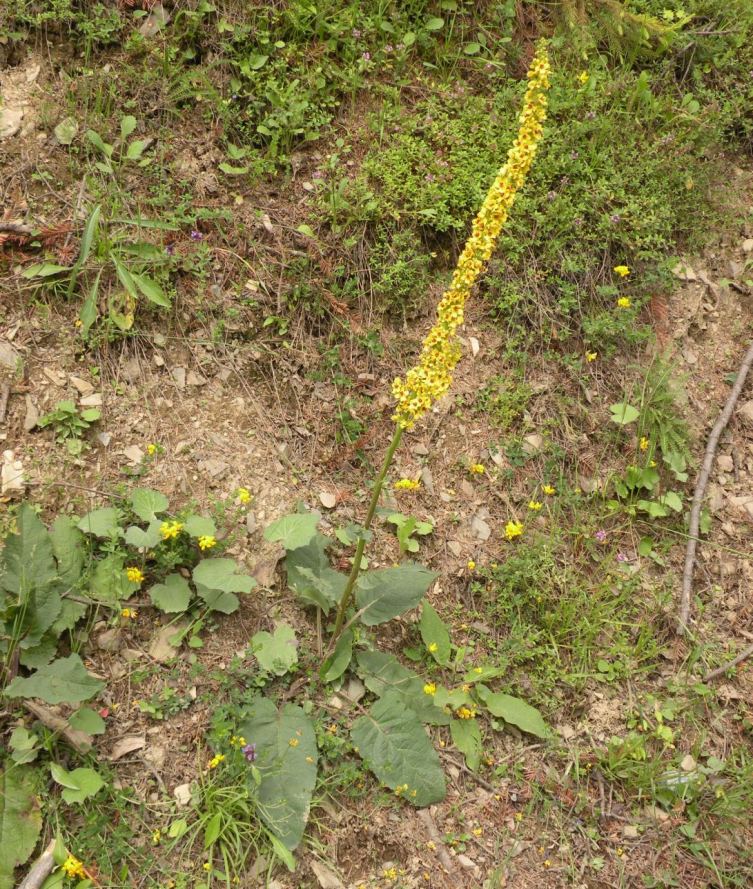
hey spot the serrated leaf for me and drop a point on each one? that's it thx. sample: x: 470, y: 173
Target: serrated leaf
x: 20, y: 821
x: 109, y: 582
x: 70, y: 614
x: 40, y: 654
x: 435, y: 635
x: 515, y: 711
x: 172, y: 596
x: 337, y: 663
x: 287, y: 770
x: 26, y: 561
x: 127, y: 126
x: 151, y: 290
x: 388, y: 592
x: 276, y: 653
x: 383, y: 673
x: 137, y: 148
x: 200, y: 526
x: 146, y: 503
x: 87, y: 720
x: 310, y: 574
x: 64, y: 680
x: 466, y: 736
x: 104, y: 522
x: 292, y: 531
x: 79, y: 784
x: 68, y: 547
x: 395, y: 747
x: 623, y: 413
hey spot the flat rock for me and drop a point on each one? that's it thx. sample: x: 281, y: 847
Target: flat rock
x: 427, y: 480
x: 725, y: 463
x: 747, y: 245
x: 134, y: 454
x: 10, y: 121
x: 212, y: 467
x: 9, y: 356
x: 127, y: 744
x: 84, y: 387
x: 182, y: 794
x: 745, y: 411
x: 684, y: 272
x: 179, y: 376
x: 532, y: 444
x: 480, y: 529
x: 325, y: 877
x: 162, y: 648
x: 93, y: 400
x: 109, y: 640
x: 32, y: 414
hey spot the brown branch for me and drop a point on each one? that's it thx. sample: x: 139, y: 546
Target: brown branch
x: 700, y: 490
x: 80, y: 741
x: 744, y: 654
x: 40, y: 870
x: 4, y: 396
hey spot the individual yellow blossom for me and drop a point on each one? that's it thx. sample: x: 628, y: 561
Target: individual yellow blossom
x: 430, y: 688
x: 549, y: 490
x: 156, y: 837
x: 151, y: 449
x: 401, y: 788
x: 591, y: 356
x: 244, y: 496
x: 129, y: 613
x: 432, y: 646
x: 547, y: 863
x: 391, y: 872
x: 478, y: 831
x: 215, y: 761
x: 652, y: 464
x: 72, y: 867
x: 583, y: 77
x: 294, y: 742
x: 624, y: 302
x: 207, y: 866
x: 518, y: 816
x: 135, y: 575
x: 465, y: 713
x: 237, y: 741
x: 170, y: 530
x: 430, y: 379
x: 513, y: 530
x: 332, y: 729
x: 207, y: 541
x: 535, y: 505
x: 466, y: 688
x: 407, y: 484
x: 477, y: 468
x: 471, y: 565
x: 620, y: 851
x: 478, y: 670
x: 622, y: 270
x: 643, y: 444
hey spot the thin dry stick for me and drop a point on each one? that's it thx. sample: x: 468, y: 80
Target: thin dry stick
x: 41, y: 869
x: 700, y: 490
x: 744, y: 654
x: 4, y: 396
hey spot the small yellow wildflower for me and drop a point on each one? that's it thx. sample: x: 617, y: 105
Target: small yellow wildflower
x: 73, y: 867
x: 156, y: 837
x: 513, y: 530
x: 591, y: 356
x: 170, y: 530
x: 244, y: 496
x: 430, y: 688
x: 478, y: 670
x: 643, y: 443
x: 401, y: 788
x: 151, y: 449
x: 215, y: 761
x: 207, y: 541
x: 135, y: 575
x: 294, y: 742
x: 622, y: 270
x: 583, y: 77
x: 465, y: 713
x: 549, y: 490
x: 624, y: 302
x: 477, y: 468
x: 432, y: 647
x: 535, y: 505
x: 207, y: 866
x: 129, y: 613
x: 518, y: 816
x: 478, y: 831
x: 332, y: 729
x: 237, y: 741
x: 547, y: 863
x: 620, y: 851
x: 391, y: 872
x: 471, y: 565
x: 407, y: 484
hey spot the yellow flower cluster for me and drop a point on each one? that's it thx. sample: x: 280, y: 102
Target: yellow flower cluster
x: 477, y: 468
x: 407, y: 484
x: 72, y: 867
x: 624, y: 302
x: 431, y: 377
x: 513, y: 530
x: 535, y: 505
x: 244, y: 496
x: 207, y: 542
x: 465, y: 713
x: 237, y: 741
x: 215, y: 761
x: 549, y: 490
x: 170, y: 530
x: 129, y: 613
x: 135, y: 575
x: 430, y: 688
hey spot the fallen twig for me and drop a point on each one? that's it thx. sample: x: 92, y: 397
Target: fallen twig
x: 700, y: 490
x: 40, y: 870
x: 80, y: 741
x: 434, y: 835
x: 4, y: 396
x: 744, y: 654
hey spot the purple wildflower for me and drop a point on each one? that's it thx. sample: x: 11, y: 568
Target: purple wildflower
x: 388, y: 47
x: 590, y: 115
x: 615, y: 218
x: 249, y: 751
x: 355, y: 32
x: 196, y: 235
x: 366, y: 56
x: 601, y: 536
x: 621, y: 557
x: 170, y: 249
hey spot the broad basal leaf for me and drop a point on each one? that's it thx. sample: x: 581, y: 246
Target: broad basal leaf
x: 217, y: 581
x: 382, y: 672
x: 337, y: 663
x: 144, y: 538
x: 466, y: 736
x: 286, y: 759
x: 26, y: 562
x: 147, y: 503
x: 200, y: 526
x: 78, y: 785
x: 68, y: 547
x: 388, y: 592
x: 109, y: 583
x: 20, y: 821
x: 310, y: 574
x: 87, y: 720
x: 276, y: 653
x: 103, y: 522
x: 172, y: 595
x: 394, y: 746
x: 515, y: 711
x: 65, y: 679
x: 435, y: 634
x: 292, y: 531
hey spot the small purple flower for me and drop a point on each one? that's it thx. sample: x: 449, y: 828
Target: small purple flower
x: 249, y: 751
x: 196, y: 236
x: 170, y: 249
x: 590, y: 115
x: 388, y: 47
x: 366, y: 56
x: 615, y: 219
x: 429, y: 177
x: 551, y: 195
x: 355, y: 32
x: 601, y: 536
x: 621, y: 557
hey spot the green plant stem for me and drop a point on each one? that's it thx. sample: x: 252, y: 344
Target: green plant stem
x: 360, y: 546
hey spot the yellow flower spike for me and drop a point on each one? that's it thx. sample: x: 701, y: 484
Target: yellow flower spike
x: 72, y: 867
x: 430, y: 379
x: 622, y: 270
x: 135, y: 575
x: 513, y: 530
x: 624, y: 302
x: 407, y: 484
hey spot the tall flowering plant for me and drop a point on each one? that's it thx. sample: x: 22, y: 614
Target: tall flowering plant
x: 431, y: 377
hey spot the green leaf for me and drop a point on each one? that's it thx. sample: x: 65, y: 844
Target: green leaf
x: 212, y: 829
x: 337, y: 663
x: 285, y: 855
x: 383, y: 673
x: 97, y: 141
x: 388, y: 592
x: 673, y: 500
x: 394, y: 746
x: 137, y: 148
x: 40, y: 654
x: 230, y: 170
x: 66, y: 130
x: 434, y: 634
x: 623, y: 413
x: 70, y: 614
x: 472, y: 49
x: 254, y: 62
x: 127, y: 126
x: 89, y: 309
x: 44, y: 270
x: 87, y: 720
x: 216, y: 581
x: 146, y: 503
x: 64, y: 680
x: 310, y: 574
x: 26, y: 562
x: 515, y: 711
x: 125, y: 277
x: 288, y: 770
x: 68, y: 547
x: 200, y: 526
x: 434, y: 24
x: 144, y: 538
x: 88, y: 237
x: 79, y: 784
x: 151, y: 290
x: 109, y: 583
x: 172, y: 596
x: 292, y: 531
x: 24, y: 745
x: 177, y: 829
x: 466, y: 736
x: 20, y: 821
x: 104, y: 522
x: 276, y: 653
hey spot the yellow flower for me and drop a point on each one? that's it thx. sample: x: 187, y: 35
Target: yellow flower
x: 478, y: 831
x: 465, y: 713
x: 535, y: 505
x: 549, y: 490
x: 391, y: 872
x: 624, y: 302
x: 207, y: 542
x: 622, y: 270
x: 432, y: 646
x: 135, y: 575
x: 294, y: 742
x: 477, y: 468
x: 170, y: 530
x: 244, y: 496
x: 583, y: 77
x: 156, y: 837
x: 513, y: 530
x: 407, y: 484
x: 471, y: 565
x: 643, y: 444
x: 215, y: 761
x: 591, y: 356
x: 151, y: 449
x: 237, y: 741
x: 207, y: 866
x: 430, y: 379
x: 430, y: 688
x: 73, y: 867
x: 129, y: 613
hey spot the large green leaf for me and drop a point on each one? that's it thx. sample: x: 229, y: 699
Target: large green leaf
x: 78, y: 785
x: 276, y: 653
x: 515, y: 711
x: 26, y: 562
x: 144, y: 538
x: 394, y: 745
x: 146, y: 503
x: 337, y: 663
x: 109, y: 582
x: 20, y: 821
x: 172, y: 595
x: 310, y: 574
x: 217, y: 581
x: 466, y: 736
x: 383, y: 673
x: 104, y: 522
x: 286, y: 759
x: 151, y: 290
x: 68, y: 546
x: 292, y: 531
x: 200, y: 526
x: 42, y: 610
x: 388, y: 592
x: 64, y: 680
x: 434, y: 634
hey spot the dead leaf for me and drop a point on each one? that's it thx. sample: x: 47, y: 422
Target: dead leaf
x: 127, y: 744
x: 327, y: 879
x: 32, y: 414
x: 328, y: 499
x: 162, y: 648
